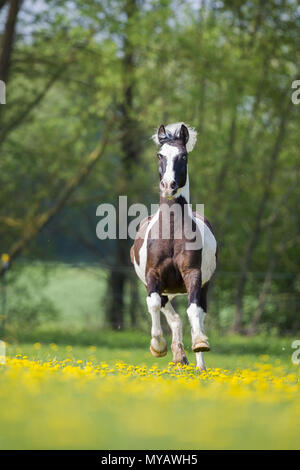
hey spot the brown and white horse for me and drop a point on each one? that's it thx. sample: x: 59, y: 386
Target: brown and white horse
x: 170, y: 265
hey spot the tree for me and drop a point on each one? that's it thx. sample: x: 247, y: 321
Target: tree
x: 225, y: 68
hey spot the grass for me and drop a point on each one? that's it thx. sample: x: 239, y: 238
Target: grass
x: 114, y: 395
x: 75, y: 291
x: 70, y: 384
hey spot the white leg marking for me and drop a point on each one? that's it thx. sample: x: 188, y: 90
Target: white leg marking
x: 154, y: 304
x: 174, y: 322
x: 200, y: 361
x: 158, y: 345
x: 196, y: 316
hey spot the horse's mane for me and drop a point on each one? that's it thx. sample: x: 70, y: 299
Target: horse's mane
x: 173, y: 131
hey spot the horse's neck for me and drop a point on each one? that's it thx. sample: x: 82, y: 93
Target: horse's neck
x: 185, y: 192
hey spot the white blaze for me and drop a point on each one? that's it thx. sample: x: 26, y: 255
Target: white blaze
x: 170, y: 152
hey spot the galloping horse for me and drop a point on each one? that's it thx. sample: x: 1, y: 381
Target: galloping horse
x: 172, y: 265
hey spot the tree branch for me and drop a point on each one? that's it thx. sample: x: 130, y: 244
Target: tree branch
x: 16, y: 122
x: 2, y: 3
x: 42, y: 220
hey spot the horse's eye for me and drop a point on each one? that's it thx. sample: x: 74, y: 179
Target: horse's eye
x: 159, y: 155
x: 183, y: 157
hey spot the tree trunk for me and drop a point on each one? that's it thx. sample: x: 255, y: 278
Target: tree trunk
x: 116, y: 287
x: 8, y: 38
x: 262, y: 297
x: 228, y: 157
x: 135, y: 304
x: 237, y: 326
x: 130, y: 148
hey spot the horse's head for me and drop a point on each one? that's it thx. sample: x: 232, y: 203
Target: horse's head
x: 174, y: 140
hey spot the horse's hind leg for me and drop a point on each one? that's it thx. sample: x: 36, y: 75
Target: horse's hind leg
x: 203, y: 297
x: 196, y: 314
x: 203, y: 304
x: 175, y: 324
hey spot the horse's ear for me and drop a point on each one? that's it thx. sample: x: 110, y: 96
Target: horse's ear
x: 161, y: 133
x: 184, y: 134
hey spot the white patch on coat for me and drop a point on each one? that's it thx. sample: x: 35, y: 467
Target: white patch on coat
x: 208, y: 264
x: 174, y: 130
x: 140, y: 268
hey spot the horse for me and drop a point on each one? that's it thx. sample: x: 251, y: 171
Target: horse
x: 168, y: 265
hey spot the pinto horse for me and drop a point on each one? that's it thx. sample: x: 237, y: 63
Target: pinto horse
x: 172, y: 265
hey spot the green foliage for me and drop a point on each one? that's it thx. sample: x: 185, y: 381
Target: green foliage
x: 225, y: 68
x: 27, y: 306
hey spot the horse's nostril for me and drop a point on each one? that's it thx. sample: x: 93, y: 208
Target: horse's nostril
x: 165, y: 185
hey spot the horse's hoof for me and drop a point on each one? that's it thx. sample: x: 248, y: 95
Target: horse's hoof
x: 200, y: 346
x: 158, y: 347
x: 156, y: 353
x: 179, y: 356
x: 185, y: 361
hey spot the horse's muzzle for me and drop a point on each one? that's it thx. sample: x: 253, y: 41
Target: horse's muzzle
x: 168, y: 189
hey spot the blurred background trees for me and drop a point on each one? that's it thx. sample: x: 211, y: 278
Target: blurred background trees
x: 87, y: 83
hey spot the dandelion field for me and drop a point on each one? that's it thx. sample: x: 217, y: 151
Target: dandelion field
x: 95, y: 397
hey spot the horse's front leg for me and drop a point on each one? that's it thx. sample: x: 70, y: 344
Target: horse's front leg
x: 158, y: 345
x: 196, y: 316
x: 175, y: 324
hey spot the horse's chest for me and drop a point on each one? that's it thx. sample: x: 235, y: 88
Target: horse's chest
x: 168, y: 259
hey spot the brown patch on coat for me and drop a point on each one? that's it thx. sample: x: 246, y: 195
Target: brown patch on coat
x: 170, y: 268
